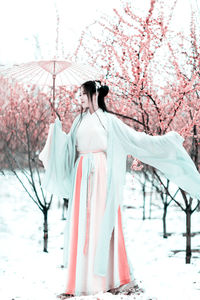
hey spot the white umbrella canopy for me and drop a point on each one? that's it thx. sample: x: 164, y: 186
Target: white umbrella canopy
x: 42, y: 72
x: 51, y: 73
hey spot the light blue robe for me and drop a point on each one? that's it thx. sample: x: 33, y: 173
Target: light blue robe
x: 166, y: 153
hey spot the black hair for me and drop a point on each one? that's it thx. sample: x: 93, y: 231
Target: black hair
x: 90, y: 89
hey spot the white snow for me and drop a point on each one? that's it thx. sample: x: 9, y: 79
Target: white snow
x: 27, y: 273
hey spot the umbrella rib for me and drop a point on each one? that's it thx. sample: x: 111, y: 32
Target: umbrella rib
x: 72, y: 75
x: 62, y: 66
x: 65, y: 75
x: 85, y: 70
x: 13, y: 71
x: 32, y: 76
x: 86, y: 74
x: 32, y: 69
x: 41, y: 75
x: 24, y: 72
x: 61, y: 79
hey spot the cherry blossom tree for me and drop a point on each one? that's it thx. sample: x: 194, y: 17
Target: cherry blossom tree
x: 185, y: 57
x: 23, y: 126
x: 25, y: 117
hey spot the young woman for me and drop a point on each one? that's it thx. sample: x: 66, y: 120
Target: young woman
x: 88, y: 167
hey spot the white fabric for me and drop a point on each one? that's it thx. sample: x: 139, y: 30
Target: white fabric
x: 91, y: 135
x: 166, y: 153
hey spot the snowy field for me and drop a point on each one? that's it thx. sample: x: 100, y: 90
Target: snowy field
x: 27, y: 273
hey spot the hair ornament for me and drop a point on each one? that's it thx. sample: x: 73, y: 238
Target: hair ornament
x: 98, y: 85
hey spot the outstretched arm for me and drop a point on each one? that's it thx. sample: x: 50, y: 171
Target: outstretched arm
x: 166, y: 153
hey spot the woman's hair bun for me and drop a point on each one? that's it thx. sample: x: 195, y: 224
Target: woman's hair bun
x: 104, y: 90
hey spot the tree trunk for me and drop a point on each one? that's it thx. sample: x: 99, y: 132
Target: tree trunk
x: 64, y: 207
x: 188, y: 234
x: 150, y: 201
x: 144, y: 201
x: 164, y: 221
x: 45, y: 229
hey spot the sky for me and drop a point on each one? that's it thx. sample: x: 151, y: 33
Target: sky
x: 21, y: 20
x: 23, y: 23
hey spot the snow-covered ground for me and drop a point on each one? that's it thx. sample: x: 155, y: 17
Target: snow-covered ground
x: 27, y: 273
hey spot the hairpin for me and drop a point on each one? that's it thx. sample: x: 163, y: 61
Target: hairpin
x: 98, y: 85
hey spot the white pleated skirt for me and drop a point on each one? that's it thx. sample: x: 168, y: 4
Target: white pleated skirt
x: 81, y: 232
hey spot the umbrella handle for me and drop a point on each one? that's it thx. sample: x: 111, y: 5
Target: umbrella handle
x: 57, y: 114
x: 54, y: 110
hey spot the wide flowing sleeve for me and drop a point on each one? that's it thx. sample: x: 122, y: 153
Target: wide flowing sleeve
x: 55, y: 157
x: 166, y: 153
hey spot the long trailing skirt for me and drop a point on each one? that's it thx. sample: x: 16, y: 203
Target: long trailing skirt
x: 85, y: 214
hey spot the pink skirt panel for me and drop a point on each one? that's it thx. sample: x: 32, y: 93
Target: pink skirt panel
x: 81, y: 280
x: 74, y: 241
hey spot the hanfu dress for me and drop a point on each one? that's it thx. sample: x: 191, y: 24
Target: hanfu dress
x: 87, y: 207
x: 86, y: 213
x: 88, y: 166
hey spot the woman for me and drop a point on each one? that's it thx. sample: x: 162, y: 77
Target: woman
x: 88, y: 166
